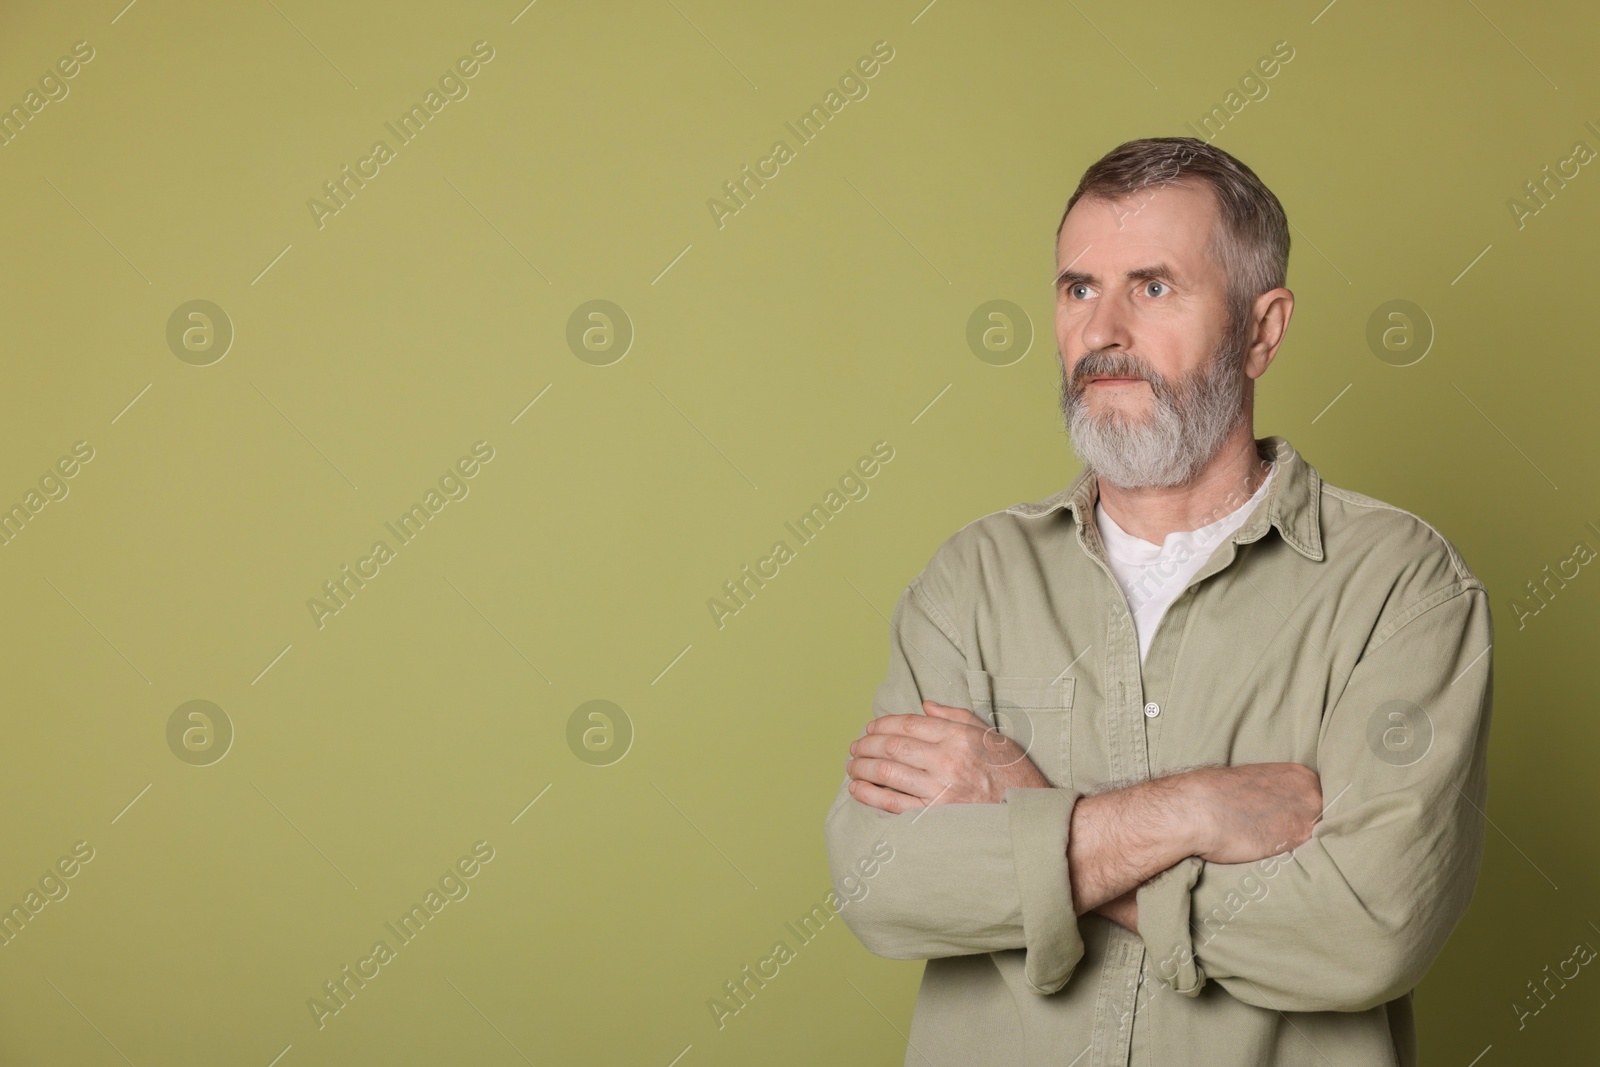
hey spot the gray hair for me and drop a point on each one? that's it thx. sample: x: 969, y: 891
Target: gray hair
x: 1252, y: 242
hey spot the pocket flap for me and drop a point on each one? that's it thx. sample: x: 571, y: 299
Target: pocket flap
x: 1032, y: 711
x: 1003, y: 691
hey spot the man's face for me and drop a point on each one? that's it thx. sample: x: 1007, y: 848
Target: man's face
x: 1152, y: 380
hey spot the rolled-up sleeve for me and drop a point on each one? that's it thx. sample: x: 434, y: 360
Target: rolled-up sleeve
x: 1353, y: 917
x: 964, y: 878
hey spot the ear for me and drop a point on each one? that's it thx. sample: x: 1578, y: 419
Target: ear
x: 1272, y: 310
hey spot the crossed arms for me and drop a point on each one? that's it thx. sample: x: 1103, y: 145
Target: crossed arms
x: 1118, y: 839
x: 990, y: 857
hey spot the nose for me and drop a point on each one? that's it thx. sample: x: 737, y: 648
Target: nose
x: 1107, y: 325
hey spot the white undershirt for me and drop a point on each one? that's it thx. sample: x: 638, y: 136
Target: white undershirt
x: 1153, y: 575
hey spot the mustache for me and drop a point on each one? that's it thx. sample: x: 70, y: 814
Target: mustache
x: 1113, y: 364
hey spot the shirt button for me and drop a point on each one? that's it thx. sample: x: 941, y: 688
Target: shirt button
x: 1152, y: 709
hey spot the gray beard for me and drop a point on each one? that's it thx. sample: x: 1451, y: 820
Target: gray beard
x: 1186, y: 427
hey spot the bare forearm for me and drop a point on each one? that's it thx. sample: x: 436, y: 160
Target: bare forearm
x: 1122, y: 838
x: 1124, y: 911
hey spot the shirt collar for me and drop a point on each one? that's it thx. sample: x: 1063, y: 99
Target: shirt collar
x: 1292, y: 504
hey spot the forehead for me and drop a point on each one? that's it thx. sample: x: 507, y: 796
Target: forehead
x: 1171, y: 223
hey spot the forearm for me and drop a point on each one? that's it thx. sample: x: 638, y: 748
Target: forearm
x: 1124, y: 911
x: 965, y: 879
x: 1121, y: 838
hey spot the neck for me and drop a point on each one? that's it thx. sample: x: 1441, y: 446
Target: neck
x: 1223, y: 485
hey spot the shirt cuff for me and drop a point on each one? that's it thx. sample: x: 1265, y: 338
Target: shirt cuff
x: 1164, y: 907
x: 1039, y: 820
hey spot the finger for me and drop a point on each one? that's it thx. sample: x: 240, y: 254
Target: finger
x: 898, y: 747
x: 961, y: 715
x: 895, y: 775
x: 927, y: 727
x: 890, y: 800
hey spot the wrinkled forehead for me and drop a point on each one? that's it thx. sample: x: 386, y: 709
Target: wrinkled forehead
x: 1174, y: 222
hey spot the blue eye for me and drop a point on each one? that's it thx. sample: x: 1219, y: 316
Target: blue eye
x: 1148, y: 284
x: 1074, y: 289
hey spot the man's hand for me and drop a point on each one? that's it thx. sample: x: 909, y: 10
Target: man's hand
x: 1254, y: 810
x: 948, y: 756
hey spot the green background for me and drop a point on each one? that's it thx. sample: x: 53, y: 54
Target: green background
x: 770, y: 354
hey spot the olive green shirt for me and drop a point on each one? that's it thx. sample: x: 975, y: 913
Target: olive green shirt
x: 1331, y: 630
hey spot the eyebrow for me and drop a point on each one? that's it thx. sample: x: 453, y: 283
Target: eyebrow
x: 1156, y: 271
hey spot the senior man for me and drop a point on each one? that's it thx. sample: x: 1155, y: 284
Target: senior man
x: 1187, y: 762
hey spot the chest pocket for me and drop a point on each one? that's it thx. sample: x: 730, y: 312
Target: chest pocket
x: 1036, y: 713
